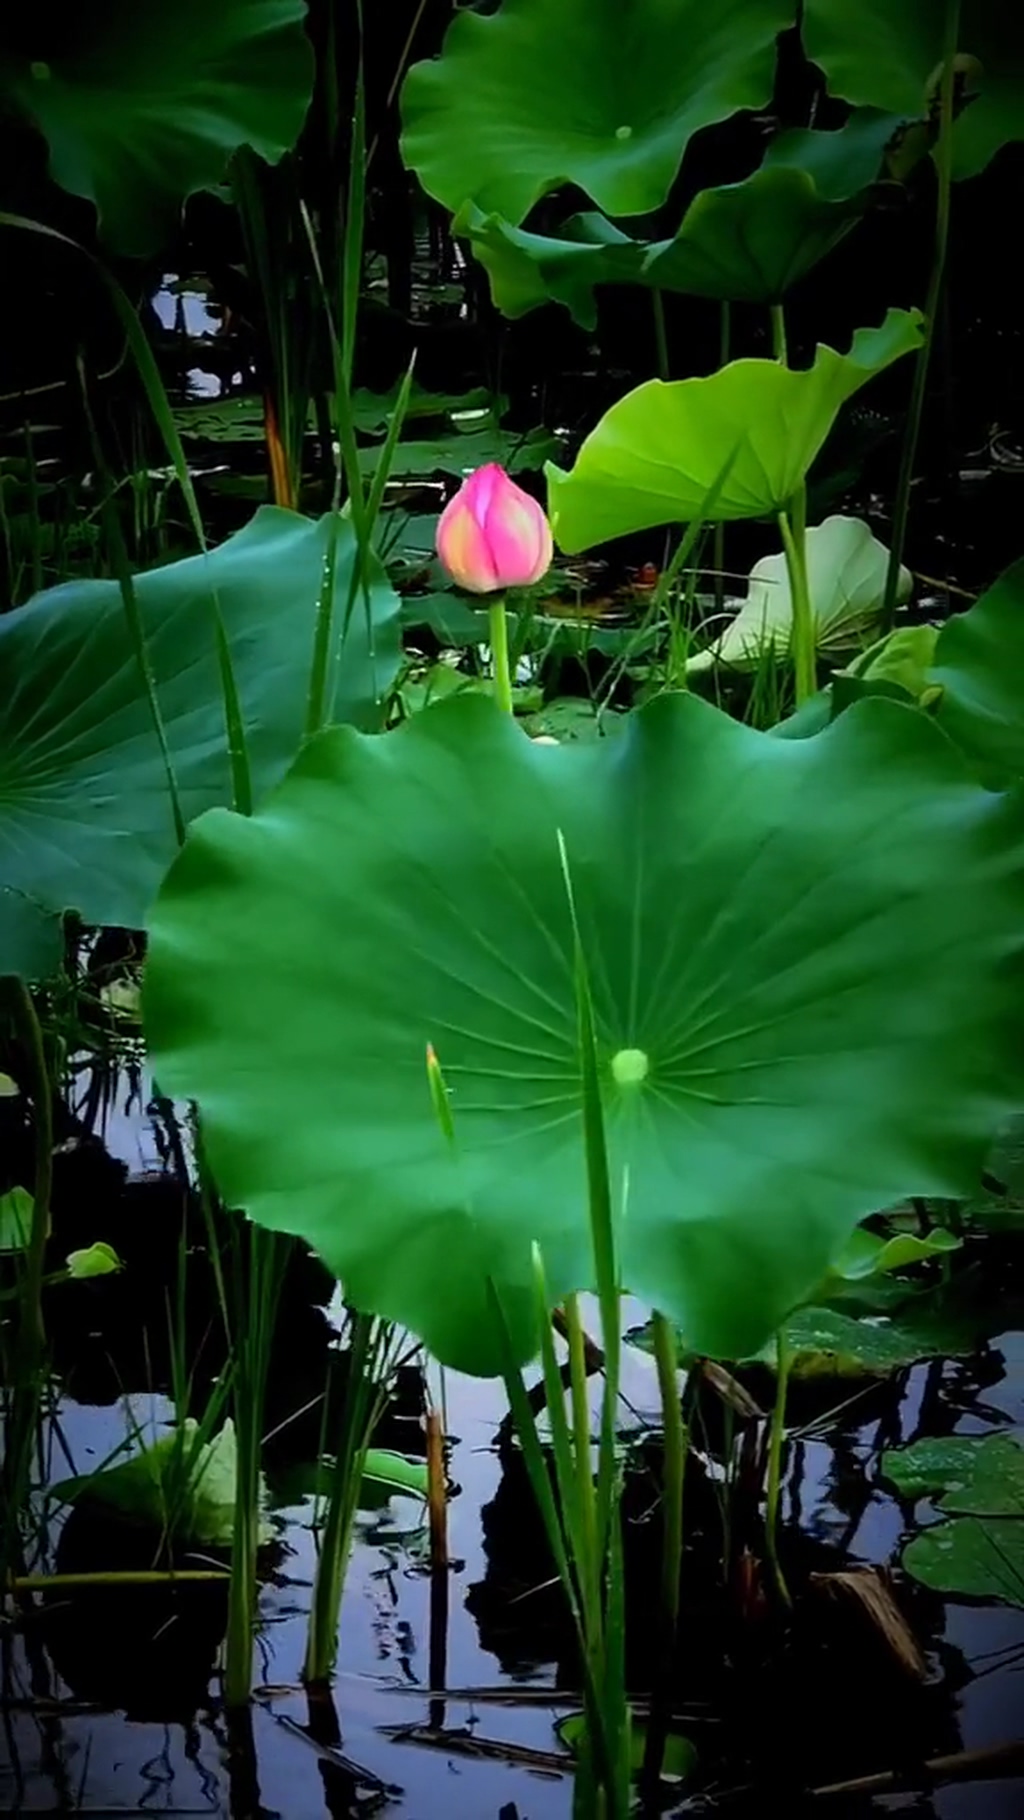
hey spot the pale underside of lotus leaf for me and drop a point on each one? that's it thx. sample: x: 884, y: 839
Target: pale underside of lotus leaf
x: 846, y: 567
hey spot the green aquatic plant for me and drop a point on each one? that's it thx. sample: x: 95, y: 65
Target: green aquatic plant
x: 548, y: 92
x: 181, y: 87
x: 748, y: 242
x: 977, y: 1485
x: 408, y: 889
x: 86, y: 822
x: 653, y: 457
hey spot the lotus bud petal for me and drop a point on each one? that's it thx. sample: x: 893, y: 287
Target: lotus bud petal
x: 492, y: 535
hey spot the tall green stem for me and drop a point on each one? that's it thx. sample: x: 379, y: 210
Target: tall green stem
x: 257, y: 1290
x: 793, y: 526
x: 499, y: 654
x: 361, y: 1408
x: 26, y: 1370
x: 673, y: 1469
x: 660, y: 333
x: 908, y: 454
x: 783, y: 1359
x: 29, y: 1037
x: 718, y: 555
x: 804, y: 642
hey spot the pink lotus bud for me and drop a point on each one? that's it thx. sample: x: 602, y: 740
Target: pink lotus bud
x: 493, y: 535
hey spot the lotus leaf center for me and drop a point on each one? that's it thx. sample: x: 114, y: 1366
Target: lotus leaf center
x: 629, y: 1066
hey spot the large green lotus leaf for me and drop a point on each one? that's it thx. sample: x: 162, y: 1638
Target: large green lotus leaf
x: 846, y: 568
x: 768, y: 926
x: 890, y: 56
x: 85, y: 816
x: 744, y: 241
x: 751, y: 241
x: 656, y: 455
x: 605, y: 94
x: 30, y: 936
x: 979, y: 666
x: 143, y: 104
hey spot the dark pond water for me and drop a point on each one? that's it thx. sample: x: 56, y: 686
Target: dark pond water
x: 91, y: 1726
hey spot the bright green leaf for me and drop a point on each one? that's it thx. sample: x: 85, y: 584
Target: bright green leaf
x: 867, y: 1254
x: 891, y: 57
x: 385, y: 1475
x: 393, y: 1470
x: 679, y: 1761
x: 143, y: 105
x: 655, y: 455
x: 175, y: 1481
x: 85, y: 820
x: 846, y: 568
x: 904, y: 657
x: 15, y: 1219
x: 768, y: 962
x: 979, y: 667
x: 98, y: 1260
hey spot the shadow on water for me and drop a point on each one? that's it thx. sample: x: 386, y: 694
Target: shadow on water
x: 111, y: 1695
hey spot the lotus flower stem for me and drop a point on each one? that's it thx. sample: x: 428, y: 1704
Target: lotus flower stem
x: 498, y: 621
x: 908, y: 454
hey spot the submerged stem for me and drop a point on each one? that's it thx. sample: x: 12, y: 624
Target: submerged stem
x: 908, y: 453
